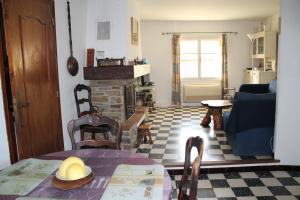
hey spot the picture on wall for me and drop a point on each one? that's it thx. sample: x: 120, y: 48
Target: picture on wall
x: 134, y: 31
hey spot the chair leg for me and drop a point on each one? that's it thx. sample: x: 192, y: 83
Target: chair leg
x: 105, y: 132
x: 81, y: 135
x: 105, y: 135
x: 150, y: 138
x: 145, y: 135
x: 93, y: 135
x: 139, y: 139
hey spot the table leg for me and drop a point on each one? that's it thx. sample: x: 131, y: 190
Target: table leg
x: 207, y: 119
x: 217, y: 116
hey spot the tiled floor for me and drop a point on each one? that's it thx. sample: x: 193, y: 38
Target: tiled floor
x: 172, y: 126
x: 262, y: 185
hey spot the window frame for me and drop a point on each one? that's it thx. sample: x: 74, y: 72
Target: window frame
x: 215, y: 38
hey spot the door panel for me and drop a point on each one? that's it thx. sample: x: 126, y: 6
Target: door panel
x: 32, y: 56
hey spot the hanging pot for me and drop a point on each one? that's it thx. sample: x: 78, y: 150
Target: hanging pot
x: 72, y: 63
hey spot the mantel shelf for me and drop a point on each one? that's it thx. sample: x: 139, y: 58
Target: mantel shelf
x: 115, y: 72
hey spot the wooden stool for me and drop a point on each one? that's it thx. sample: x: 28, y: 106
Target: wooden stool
x: 144, y: 131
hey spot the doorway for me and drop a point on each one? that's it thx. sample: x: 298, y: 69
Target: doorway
x: 31, y: 83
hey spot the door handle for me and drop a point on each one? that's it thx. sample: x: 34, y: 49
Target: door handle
x: 25, y: 104
x: 18, y: 103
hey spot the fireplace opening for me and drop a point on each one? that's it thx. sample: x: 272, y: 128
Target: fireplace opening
x: 129, y: 99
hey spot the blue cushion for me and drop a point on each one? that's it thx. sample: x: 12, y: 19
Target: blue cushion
x: 272, y: 86
x: 226, y: 115
x: 253, y: 142
x: 251, y: 96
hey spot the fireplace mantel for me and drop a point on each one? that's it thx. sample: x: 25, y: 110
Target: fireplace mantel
x: 115, y: 72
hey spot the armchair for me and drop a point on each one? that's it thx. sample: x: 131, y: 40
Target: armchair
x: 249, y: 126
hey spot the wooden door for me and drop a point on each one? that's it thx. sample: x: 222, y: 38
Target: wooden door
x: 31, y: 45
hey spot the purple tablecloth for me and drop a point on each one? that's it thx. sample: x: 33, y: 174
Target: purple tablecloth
x: 103, y: 163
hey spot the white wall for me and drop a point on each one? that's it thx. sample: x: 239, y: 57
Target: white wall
x: 287, y: 148
x: 157, y: 49
x: 119, y: 14
x: 107, y: 10
x: 66, y: 81
x: 4, y: 149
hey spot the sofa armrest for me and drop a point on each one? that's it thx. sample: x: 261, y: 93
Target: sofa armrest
x: 254, y: 88
x: 250, y: 114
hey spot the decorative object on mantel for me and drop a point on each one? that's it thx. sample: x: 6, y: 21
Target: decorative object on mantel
x: 110, y: 62
x: 115, y: 72
x: 134, y: 31
x: 145, y: 61
x: 90, y: 57
x: 137, y: 61
x: 72, y: 63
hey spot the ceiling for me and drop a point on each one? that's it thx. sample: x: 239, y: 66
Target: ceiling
x: 207, y: 9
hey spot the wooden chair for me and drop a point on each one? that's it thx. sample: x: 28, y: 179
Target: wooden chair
x: 80, y: 101
x: 80, y: 88
x: 190, y: 143
x: 114, y: 134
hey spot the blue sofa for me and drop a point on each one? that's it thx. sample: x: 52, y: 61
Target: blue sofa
x: 249, y: 126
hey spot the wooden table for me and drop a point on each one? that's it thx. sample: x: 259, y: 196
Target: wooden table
x: 215, y: 109
x: 103, y: 163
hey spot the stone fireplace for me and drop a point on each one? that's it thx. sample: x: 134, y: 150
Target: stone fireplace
x: 113, y: 91
x: 115, y: 97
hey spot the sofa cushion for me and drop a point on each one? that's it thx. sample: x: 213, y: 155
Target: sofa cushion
x: 272, y: 86
x: 226, y: 115
x: 253, y: 142
x: 251, y: 96
x: 254, y: 88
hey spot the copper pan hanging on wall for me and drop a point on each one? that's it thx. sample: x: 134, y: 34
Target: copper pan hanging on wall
x: 72, y: 63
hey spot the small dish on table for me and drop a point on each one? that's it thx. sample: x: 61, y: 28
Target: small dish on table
x: 63, y: 184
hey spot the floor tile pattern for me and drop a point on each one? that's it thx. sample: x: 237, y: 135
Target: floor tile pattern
x: 263, y: 185
x: 170, y: 129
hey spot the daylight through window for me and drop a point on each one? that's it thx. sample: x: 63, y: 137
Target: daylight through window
x: 200, y: 58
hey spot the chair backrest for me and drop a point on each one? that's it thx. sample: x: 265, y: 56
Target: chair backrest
x: 190, y: 143
x: 113, y: 141
x: 79, y: 101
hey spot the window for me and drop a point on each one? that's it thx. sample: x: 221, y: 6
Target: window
x: 200, y: 58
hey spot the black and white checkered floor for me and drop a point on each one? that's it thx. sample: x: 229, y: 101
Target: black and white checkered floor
x: 170, y: 129
x: 262, y: 185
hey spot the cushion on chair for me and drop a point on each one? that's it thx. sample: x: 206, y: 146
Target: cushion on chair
x: 272, y: 86
x: 255, y: 88
x: 251, y: 96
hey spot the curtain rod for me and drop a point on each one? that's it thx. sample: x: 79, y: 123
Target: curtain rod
x: 174, y: 33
